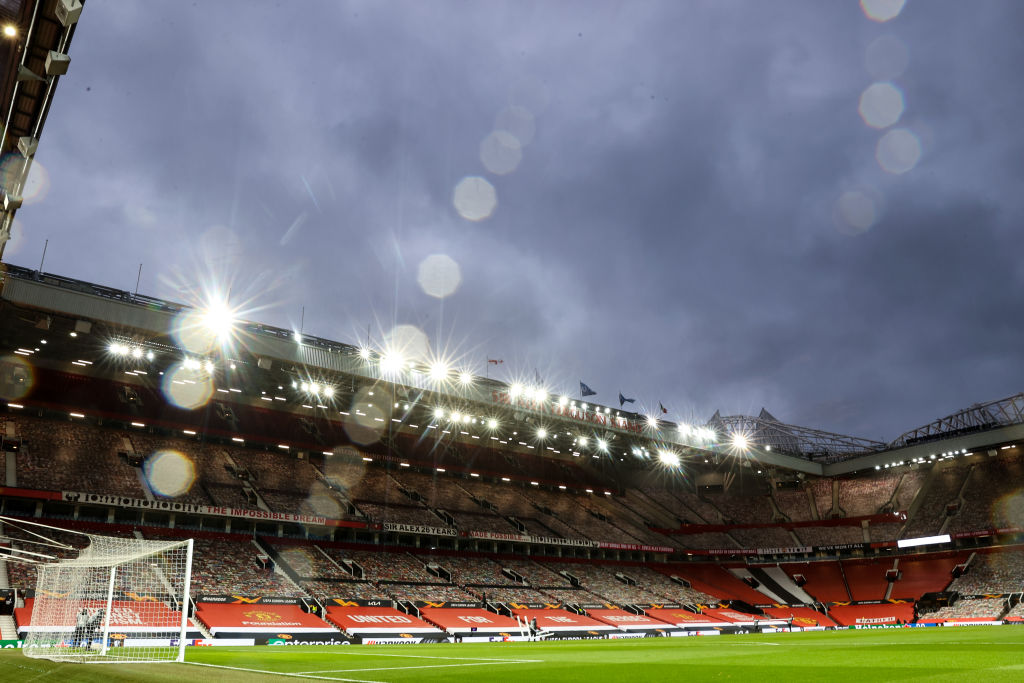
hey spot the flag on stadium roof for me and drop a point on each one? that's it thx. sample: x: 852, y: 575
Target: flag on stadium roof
x: 623, y: 399
x: 496, y: 361
x: 663, y: 409
x: 586, y: 391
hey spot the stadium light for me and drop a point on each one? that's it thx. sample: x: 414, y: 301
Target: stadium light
x: 492, y: 423
x: 364, y: 353
x: 392, y: 362
x: 515, y: 390
x: 582, y: 441
x: 456, y: 417
x: 465, y: 378
x: 219, y: 320
x: 10, y: 31
x: 740, y: 442
x: 668, y: 458
x: 329, y: 392
x: 540, y: 395
x: 439, y: 413
x: 542, y: 433
x: 652, y: 421
x: 563, y: 400
x: 438, y: 371
x: 602, y: 444
x: 117, y: 349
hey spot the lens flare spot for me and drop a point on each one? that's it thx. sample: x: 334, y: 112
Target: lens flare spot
x: 368, y: 418
x: 439, y: 275
x: 169, y: 473
x: 408, y: 342
x: 518, y: 121
x: 501, y: 152
x: 324, y: 505
x: 898, y: 151
x: 1009, y: 511
x: 886, y: 58
x: 16, y: 239
x: 856, y: 212
x: 474, y: 198
x: 881, y: 105
x: 882, y: 10
x: 32, y: 189
x: 16, y: 378
x: 188, y: 388
x: 190, y: 330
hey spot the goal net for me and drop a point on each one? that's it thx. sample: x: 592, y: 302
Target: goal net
x: 115, y: 600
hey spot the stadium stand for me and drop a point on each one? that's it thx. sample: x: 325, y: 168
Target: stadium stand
x: 794, y: 504
x: 940, y: 499
x: 867, y: 578
x: 824, y: 580
x: 995, y: 571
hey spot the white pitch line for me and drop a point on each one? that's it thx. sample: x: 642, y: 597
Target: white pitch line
x: 280, y: 673
x: 461, y: 659
x: 404, y: 668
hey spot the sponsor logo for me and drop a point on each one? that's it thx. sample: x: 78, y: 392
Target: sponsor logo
x: 283, y: 641
x: 259, y: 615
x: 242, y: 600
x: 284, y: 635
x: 11, y: 644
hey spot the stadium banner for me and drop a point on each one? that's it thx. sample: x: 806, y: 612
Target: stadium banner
x: 571, y: 411
x: 419, y: 529
x: 457, y: 605
x: 664, y: 605
x: 545, y: 540
x: 247, y: 600
x: 342, y: 602
x: 792, y: 550
x: 535, y: 605
x: 984, y: 596
x: 193, y: 509
x: 403, y: 639
x: 634, y: 546
x: 29, y: 493
x: 11, y: 644
x: 286, y: 639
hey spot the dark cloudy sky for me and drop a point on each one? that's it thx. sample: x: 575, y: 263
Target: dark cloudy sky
x: 707, y: 204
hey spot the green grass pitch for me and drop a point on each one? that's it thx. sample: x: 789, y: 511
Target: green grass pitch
x: 978, y: 654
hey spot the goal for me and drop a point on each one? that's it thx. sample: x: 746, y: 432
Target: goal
x: 114, y: 600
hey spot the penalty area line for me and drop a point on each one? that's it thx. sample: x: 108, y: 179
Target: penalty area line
x: 281, y: 673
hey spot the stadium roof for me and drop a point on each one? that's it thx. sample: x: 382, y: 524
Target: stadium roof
x: 34, y: 40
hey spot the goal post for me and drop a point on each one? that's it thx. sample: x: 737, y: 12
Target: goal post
x: 115, y: 600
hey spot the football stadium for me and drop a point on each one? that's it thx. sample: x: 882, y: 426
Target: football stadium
x: 191, y: 491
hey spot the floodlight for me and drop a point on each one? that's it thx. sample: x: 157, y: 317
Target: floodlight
x: 364, y: 353
x: 465, y: 378
x: 515, y: 390
x: 439, y: 413
x: 739, y: 441
x: 328, y: 392
x: 219, y: 320
x: 438, y: 371
x: 582, y: 441
x: 602, y: 444
x: 563, y: 400
x: 304, y: 386
x: 492, y: 423
x: 136, y: 352
x: 456, y: 417
x: 10, y: 31
x: 392, y: 362
x: 542, y: 433
x: 540, y: 395
x: 652, y: 421
x: 668, y: 458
